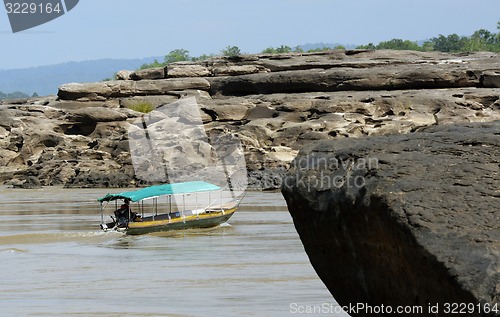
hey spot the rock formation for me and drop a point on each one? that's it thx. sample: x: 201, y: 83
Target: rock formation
x: 403, y: 219
x: 395, y: 194
x: 276, y: 104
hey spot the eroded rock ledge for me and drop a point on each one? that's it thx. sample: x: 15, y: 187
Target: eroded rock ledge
x: 404, y: 219
x: 276, y: 104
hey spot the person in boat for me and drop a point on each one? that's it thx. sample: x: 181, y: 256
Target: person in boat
x: 123, y: 211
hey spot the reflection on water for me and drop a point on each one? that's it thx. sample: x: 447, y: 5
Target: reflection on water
x: 55, y: 262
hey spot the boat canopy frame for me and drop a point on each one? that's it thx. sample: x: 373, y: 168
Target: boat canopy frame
x: 161, y: 190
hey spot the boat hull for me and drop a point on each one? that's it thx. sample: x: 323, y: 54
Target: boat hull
x: 207, y: 220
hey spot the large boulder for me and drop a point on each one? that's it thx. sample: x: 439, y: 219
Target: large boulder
x: 127, y: 88
x: 123, y: 74
x: 396, y: 77
x: 148, y: 73
x: 491, y: 79
x: 186, y: 69
x: 404, y: 219
x: 352, y: 70
x: 236, y: 70
x: 92, y: 114
x: 28, y: 182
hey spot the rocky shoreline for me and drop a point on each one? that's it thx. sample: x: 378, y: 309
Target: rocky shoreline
x: 394, y: 191
x: 276, y: 104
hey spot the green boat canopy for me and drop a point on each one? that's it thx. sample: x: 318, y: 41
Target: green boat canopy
x: 159, y: 190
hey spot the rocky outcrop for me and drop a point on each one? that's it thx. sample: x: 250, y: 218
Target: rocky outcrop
x: 395, y: 190
x: 120, y: 88
x: 276, y: 104
x: 404, y: 219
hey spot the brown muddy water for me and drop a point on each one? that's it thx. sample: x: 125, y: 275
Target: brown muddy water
x: 54, y: 261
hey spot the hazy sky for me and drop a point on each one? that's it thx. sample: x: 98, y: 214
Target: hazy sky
x: 134, y: 29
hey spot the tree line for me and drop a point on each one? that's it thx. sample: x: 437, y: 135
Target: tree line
x: 181, y: 55
x: 480, y: 40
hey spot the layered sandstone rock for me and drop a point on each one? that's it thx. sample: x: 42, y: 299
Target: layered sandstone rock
x: 276, y: 104
x: 417, y: 226
x: 405, y: 219
x: 121, y: 88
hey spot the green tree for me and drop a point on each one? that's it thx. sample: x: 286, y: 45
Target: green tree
x: 320, y: 49
x: 450, y: 43
x: 428, y: 46
x: 269, y: 50
x: 201, y: 57
x: 298, y: 49
x: 481, y: 40
x: 278, y: 50
x: 231, y: 51
x: 398, y: 44
x: 283, y: 49
x: 177, y: 55
x: 369, y: 46
x: 154, y: 64
x: 484, y: 36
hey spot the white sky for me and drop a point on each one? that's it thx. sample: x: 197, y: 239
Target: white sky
x: 97, y: 29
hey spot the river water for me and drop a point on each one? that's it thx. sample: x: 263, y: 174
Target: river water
x: 54, y: 261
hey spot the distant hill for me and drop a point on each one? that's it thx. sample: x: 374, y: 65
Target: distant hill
x: 45, y: 80
x: 13, y: 95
